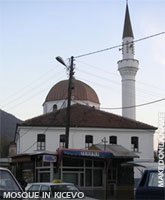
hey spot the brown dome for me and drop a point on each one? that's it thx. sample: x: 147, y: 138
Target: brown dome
x: 81, y: 91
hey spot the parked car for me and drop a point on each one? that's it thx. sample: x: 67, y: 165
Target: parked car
x: 148, y: 187
x: 54, y: 190
x: 8, y: 183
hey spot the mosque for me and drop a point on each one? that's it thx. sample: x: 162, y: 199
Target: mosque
x: 99, y: 142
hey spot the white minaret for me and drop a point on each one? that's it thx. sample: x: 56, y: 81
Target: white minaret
x: 128, y: 68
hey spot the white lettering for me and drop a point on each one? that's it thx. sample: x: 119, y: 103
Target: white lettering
x: 87, y: 153
x: 161, y: 153
x: 46, y: 194
x: 68, y: 195
x: 20, y: 195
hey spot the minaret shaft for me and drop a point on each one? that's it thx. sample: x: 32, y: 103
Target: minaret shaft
x: 128, y: 68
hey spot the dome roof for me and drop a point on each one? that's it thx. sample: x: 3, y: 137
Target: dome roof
x: 81, y: 91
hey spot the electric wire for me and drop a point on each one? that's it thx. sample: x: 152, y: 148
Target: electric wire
x: 46, y: 113
x: 43, y: 131
x: 116, y: 74
x: 29, y: 84
x: 106, y: 50
x: 117, y: 46
x: 30, y: 97
x: 139, y: 105
x: 118, y: 84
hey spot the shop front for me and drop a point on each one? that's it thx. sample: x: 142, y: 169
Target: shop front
x: 97, y: 172
x: 34, y: 167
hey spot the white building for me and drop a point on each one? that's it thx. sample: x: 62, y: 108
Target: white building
x: 122, y: 128
x: 85, y: 121
x: 88, y: 124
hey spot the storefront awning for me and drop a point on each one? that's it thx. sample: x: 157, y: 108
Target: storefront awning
x: 87, y: 153
x: 117, y: 151
x: 27, y: 157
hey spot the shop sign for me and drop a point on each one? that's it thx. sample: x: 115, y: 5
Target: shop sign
x: 49, y: 158
x: 98, y: 154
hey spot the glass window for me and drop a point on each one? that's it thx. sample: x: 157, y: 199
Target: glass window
x: 88, y: 141
x: 71, y: 177
x: 82, y: 179
x: 97, y: 177
x: 62, y: 140
x: 41, y: 142
x: 113, y: 140
x: 88, y: 163
x: 98, y: 163
x: 135, y: 144
x: 34, y: 188
x: 76, y: 162
x: 54, y: 107
x: 7, y: 182
x: 88, y: 177
x: 153, y: 179
x: 64, y: 188
x: 45, y: 188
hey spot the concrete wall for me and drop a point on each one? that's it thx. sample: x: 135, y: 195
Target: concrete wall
x: 27, y: 139
x: 48, y: 106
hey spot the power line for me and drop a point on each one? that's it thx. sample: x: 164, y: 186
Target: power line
x: 115, y: 74
x: 23, y: 100
x: 117, y: 46
x: 50, y: 110
x: 140, y: 105
x: 42, y: 132
x: 32, y: 82
x: 141, y: 91
x: 29, y: 147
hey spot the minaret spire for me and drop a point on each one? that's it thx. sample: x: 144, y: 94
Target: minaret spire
x: 127, y: 32
x: 128, y: 68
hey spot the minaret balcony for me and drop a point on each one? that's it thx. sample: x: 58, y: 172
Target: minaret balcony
x: 131, y: 63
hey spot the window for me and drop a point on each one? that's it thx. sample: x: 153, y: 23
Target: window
x: 88, y: 141
x: 41, y: 142
x: 97, y: 177
x: 34, y: 188
x: 62, y: 140
x: 45, y: 188
x: 113, y: 140
x: 7, y: 182
x: 54, y: 107
x: 134, y: 144
x: 153, y: 179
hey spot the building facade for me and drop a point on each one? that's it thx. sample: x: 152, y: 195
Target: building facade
x: 99, y: 142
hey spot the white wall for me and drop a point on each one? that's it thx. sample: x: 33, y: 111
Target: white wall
x: 48, y: 106
x: 28, y: 138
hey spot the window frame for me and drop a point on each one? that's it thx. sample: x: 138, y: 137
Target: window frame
x: 111, y: 138
x: 41, y: 142
x: 135, y: 143
x: 88, y: 144
x: 62, y: 143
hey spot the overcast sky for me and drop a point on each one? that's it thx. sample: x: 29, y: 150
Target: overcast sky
x: 34, y: 32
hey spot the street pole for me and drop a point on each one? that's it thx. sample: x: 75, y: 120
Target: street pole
x: 71, y: 73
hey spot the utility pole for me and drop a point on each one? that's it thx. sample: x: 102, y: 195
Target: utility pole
x: 71, y: 73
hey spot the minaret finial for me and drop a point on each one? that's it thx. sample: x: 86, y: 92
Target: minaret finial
x: 127, y: 32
